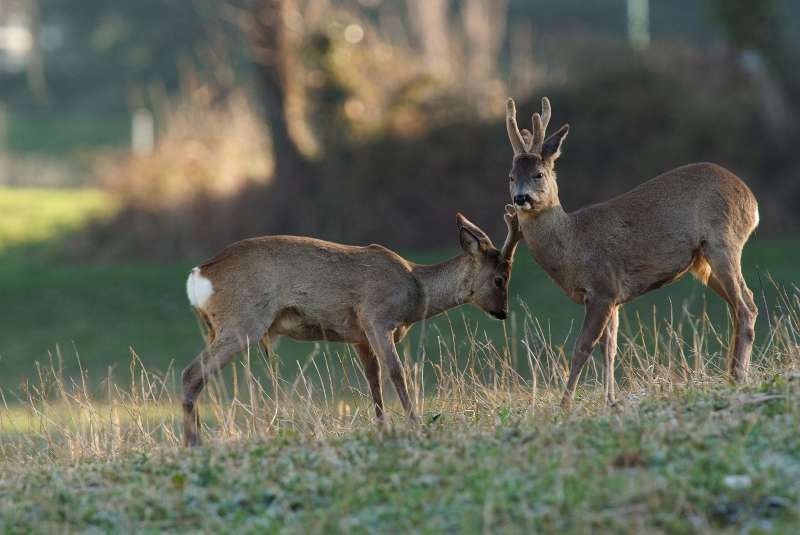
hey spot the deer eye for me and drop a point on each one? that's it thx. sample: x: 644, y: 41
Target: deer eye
x: 538, y: 175
x: 498, y: 281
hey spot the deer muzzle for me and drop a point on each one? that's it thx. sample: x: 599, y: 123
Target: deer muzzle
x: 523, y: 201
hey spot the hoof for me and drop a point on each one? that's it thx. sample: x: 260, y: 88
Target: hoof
x: 737, y: 377
x: 381, y: 423
x: 191, y: 440
x: 413, y: 422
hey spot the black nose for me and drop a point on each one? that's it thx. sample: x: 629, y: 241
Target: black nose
x: 520, y: 200
x: 501, y: 315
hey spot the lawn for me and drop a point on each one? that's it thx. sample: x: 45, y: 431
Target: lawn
x: 99, y: 312
x: 65, y: 134
x: 673, y: 457
x: 290, y: 443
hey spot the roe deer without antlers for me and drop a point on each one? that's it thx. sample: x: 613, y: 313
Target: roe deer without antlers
x: 308, y: 289
x: 695, y: 218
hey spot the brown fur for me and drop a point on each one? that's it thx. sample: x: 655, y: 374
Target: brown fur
x: 310, y: 289
x: 695, y: 218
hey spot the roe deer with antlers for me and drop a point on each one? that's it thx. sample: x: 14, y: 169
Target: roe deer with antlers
x: 695, y: 219
x: 308, y: 289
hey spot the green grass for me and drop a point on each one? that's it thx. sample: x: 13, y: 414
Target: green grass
x: 98, y: 312
x: 62, y: 135
x: 291, y: 447
x: 33, y: 216
x: 695, y: 459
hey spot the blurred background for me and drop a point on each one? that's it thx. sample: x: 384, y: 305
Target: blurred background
x: 137, y: 138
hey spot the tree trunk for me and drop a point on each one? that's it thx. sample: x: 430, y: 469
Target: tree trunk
x: 37, y: 82
x: 274, y: 56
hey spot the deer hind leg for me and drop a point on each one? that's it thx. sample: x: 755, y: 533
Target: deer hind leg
x: 227, y: 343
x: 748, y: 325
x: 372, y: 371
x: 726, y: 280
x: 266, y: 343
x: 210, y: 333
x: 610, y: 353
x: 597, y: 315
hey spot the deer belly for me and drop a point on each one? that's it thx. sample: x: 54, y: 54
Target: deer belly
x: 298, y: 326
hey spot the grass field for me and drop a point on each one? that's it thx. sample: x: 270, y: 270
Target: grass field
x: 693, y: 459
x: 65, y: 134
x: 291, y: 446
x: 99, y: 312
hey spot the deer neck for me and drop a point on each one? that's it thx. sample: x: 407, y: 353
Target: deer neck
x: 548, y: 235
x: 444, y: 286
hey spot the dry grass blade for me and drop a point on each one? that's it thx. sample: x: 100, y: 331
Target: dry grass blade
x: 470, y: 379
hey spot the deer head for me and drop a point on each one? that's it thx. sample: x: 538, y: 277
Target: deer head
x: 491, y: 268
x: 532, y: 180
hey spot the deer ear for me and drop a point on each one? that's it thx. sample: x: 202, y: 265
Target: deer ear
x: 551, y: 148
x: 473, y: 240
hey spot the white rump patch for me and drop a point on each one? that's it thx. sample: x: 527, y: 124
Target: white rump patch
x: 758, y: 219
x: 198, y: 288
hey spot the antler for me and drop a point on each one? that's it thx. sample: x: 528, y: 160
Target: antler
x: 545, y: 114
x: 514, y: 233
x: 514, y: 135
x: 527, y: 141
x: 540, y: 123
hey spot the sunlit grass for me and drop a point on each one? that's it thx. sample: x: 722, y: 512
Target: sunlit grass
x: 683, y: 451
x: 37, y: 215
x: 102, y: 309
x: 90, y: 433
x: 467, y: 379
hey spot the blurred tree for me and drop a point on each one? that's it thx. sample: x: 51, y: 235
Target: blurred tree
x: 430, y: 20
x: 524, y: 71
x: 756, y: 29
x: 748, y: 24
x: 485, y: 29
x: 97, y: 50
x: 275, y: 47
x: 35, y: 71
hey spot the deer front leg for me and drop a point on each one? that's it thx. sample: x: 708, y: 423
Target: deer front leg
x: 372, y: 371
x: 597, y: 315
x: 382, y: 343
